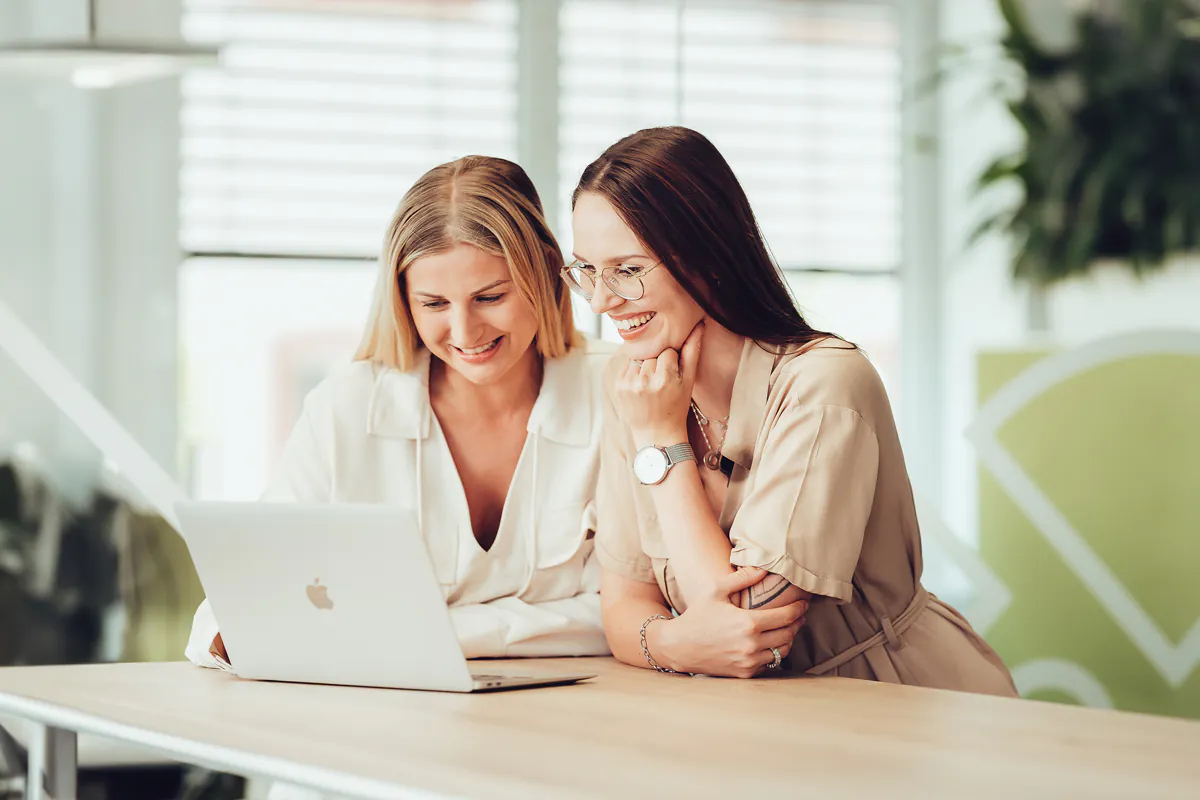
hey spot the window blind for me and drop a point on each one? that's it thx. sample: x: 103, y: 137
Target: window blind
x: 802, y: 98
x: 324, y: 112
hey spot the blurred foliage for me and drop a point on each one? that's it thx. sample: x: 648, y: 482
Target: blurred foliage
x: 55, y: 619
x: 1110, y: 167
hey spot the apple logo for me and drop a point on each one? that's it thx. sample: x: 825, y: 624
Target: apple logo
x: 318, y: 595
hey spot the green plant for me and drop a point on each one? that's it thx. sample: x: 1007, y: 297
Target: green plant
x: 1110, y: 167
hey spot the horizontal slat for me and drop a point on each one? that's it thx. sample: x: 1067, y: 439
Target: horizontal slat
x: 215, y: 118
x: 370, y: 184
x: 349, y: 173
x: 368, y: 30
x: 655, y: 49
x: 434, y: 64
x: 449, y: 136
x: 415, y: 94
x: 298, y: 242
x: 348, y: 153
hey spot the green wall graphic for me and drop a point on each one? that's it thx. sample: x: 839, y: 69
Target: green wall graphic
x: 1090, y: 516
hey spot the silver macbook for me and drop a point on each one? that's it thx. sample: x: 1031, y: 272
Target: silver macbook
x: 338, y: 594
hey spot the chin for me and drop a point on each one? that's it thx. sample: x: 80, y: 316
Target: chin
x: 482, y: 374
x: 651, y: 348
x: 505, y: 360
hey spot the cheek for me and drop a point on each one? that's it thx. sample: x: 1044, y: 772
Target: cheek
x: 680, y: 309
x: 520, y: 320
x: 430, y: 327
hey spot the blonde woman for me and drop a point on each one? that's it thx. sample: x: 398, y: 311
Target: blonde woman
x: 472, y: 400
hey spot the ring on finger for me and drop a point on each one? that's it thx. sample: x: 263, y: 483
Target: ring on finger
x: 778, y: 659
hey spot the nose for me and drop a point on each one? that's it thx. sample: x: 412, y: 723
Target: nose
x: 463, y: 325
x: 603, y: 299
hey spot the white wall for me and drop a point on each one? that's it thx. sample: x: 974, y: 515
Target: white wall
x: 980, y: 307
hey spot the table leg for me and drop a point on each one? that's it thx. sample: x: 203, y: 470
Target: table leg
x: 53, y: 764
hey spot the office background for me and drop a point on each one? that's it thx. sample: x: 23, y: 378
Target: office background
x: 198, y: 251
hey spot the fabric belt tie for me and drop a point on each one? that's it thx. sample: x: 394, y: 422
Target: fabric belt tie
x: 890, y: 634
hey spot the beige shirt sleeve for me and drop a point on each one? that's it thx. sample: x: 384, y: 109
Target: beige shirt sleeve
x: 618, y: 539
x: 813, y: 487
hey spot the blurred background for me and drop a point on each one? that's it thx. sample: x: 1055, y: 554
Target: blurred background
x: 999, y: 200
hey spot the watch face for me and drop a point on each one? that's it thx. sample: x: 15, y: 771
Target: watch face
x: 650, y: 465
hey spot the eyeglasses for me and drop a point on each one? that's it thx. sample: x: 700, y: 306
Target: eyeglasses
x: 624, y: 280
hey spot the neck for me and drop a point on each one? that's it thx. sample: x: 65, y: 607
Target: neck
x: 515, y: 391
x: 720, y: 355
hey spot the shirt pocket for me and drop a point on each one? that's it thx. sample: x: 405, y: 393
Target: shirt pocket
x: 563, y: 543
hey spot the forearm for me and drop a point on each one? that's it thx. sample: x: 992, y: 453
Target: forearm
x: 772, y: 591
x: 513, y: 627
x: 698, y: 548
x: 623, y: 621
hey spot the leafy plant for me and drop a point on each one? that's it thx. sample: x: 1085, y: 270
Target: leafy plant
x: 1110, y: 167
x: 59, y: 620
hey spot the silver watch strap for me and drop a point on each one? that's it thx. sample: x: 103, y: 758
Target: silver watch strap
x: 679, y: 452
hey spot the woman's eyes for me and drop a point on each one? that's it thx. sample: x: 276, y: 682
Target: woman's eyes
x: 487, y: 299
x: 629, y: 270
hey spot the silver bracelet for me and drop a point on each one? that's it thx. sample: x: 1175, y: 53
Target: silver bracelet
x: 646, y: 650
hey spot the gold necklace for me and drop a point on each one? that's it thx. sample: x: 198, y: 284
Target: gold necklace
x: 712, y: 459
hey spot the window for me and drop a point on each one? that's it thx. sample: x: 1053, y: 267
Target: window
x: 297, y: 150
x: 802, y: 99
x: 257, y: 335
x: 324, y: 113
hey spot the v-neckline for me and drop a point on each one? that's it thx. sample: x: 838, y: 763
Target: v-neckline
x: 464, y: 520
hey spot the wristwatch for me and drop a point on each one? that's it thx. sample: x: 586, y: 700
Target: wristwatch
x: 651, y: 463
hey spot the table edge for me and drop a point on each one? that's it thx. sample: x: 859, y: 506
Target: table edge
x: 214, y: 756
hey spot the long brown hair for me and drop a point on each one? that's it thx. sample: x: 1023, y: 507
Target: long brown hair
x: 679, y: 196
x: 488, y: 203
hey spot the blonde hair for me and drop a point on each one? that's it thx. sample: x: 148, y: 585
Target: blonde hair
x: 485, y: 202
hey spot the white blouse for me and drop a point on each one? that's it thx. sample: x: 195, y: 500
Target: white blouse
x: 368, y: 434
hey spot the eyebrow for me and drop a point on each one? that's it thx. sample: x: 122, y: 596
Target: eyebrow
x: 475, y: 293
x: 614, y: 259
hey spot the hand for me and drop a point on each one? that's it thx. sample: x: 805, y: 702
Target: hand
x: 217, y: 648
x: 653, y: 398
x: 713, y: 637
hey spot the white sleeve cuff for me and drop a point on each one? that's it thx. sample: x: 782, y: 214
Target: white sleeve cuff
x: 204, y: 630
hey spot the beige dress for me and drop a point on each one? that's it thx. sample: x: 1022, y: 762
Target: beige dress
x: 818, y: 494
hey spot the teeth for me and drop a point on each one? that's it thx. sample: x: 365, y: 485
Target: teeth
x: 633, y: 322
x: 474, y: 351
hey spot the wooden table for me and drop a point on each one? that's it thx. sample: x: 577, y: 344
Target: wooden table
x: 629, y: 733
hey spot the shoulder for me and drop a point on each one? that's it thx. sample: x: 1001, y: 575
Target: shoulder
x: 584, y: 364
x: 368, y: 396
x: 568, y: 405
x: 591, y: 360
x: 350, y: 382
x: 831, y: 372
x: 595, y: 354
